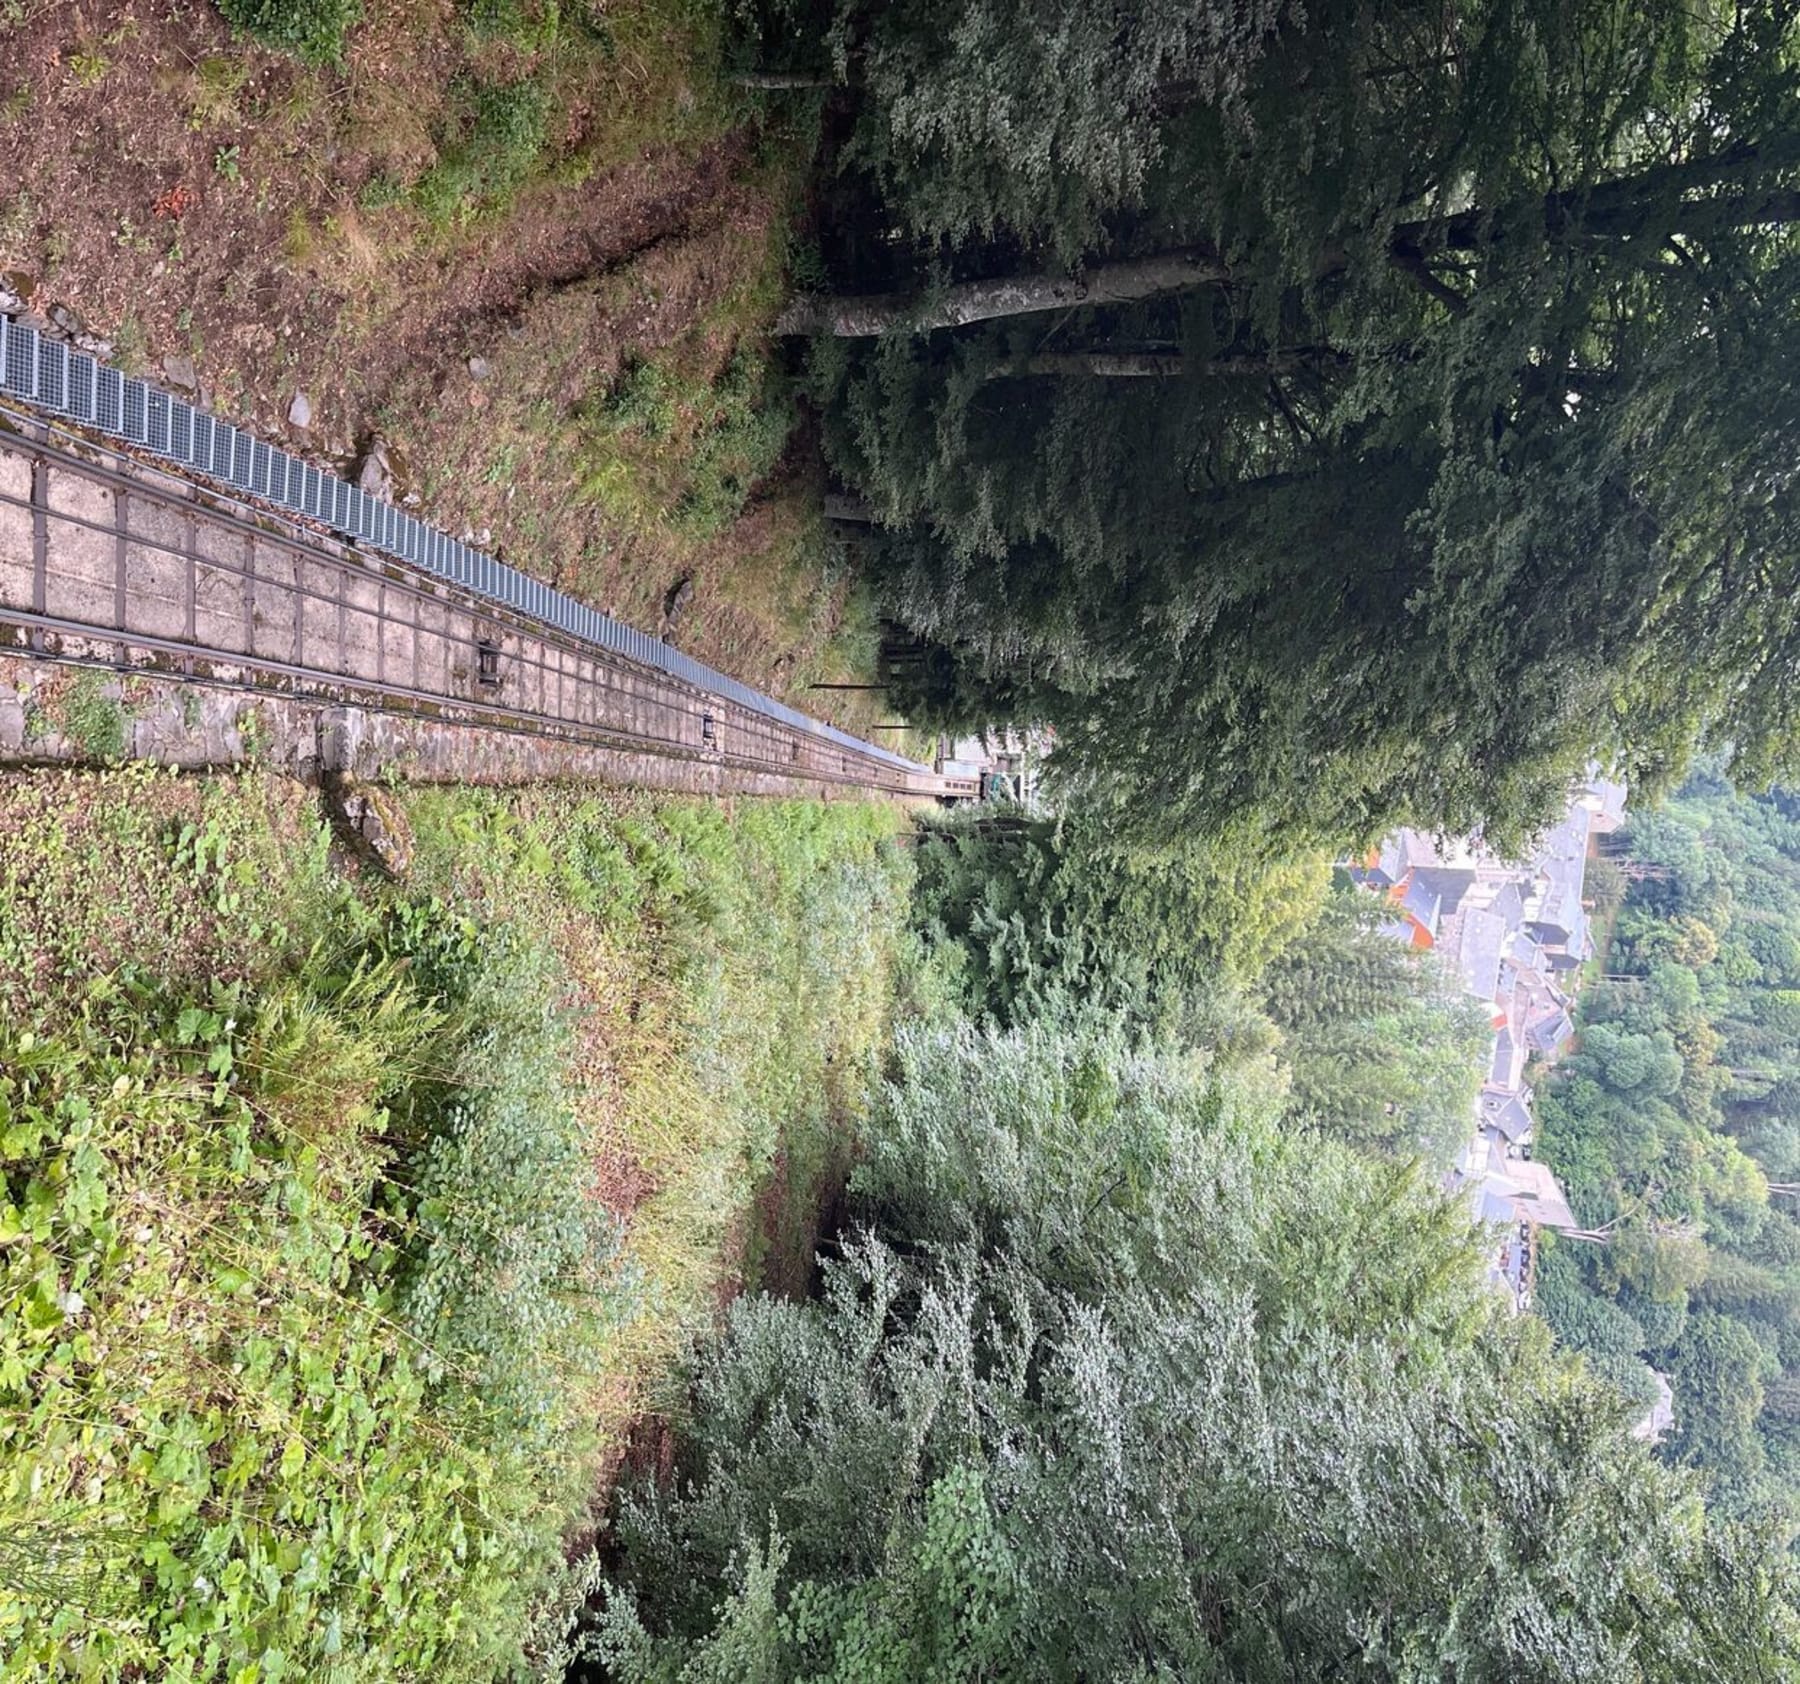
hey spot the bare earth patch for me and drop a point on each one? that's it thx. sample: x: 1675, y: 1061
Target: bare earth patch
x: 215, y: 211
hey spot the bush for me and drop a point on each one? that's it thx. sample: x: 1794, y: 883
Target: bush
x: 1386, y: 1049
x: 667, y: 447
x: 1126, y: 1382
x: 312, y: 30
x: 500, y: 137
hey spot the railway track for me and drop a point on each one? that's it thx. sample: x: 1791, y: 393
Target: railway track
x: 108, y: 559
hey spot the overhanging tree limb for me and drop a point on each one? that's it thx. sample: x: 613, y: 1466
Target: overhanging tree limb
x: 1417, y: 270
x: 1165, y: 365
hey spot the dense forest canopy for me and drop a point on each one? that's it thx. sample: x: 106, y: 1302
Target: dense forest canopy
x: 1675, y: 1124
x: 1347, y: 412
x: 1387, y: 1049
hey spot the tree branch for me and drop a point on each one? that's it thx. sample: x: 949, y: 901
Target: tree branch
x: 1157, y: 365
x: 1418, y: 271
x: 776, y: 80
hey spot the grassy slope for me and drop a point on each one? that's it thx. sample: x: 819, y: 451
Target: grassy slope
x: 572, y: 193
x: 346, y: 1225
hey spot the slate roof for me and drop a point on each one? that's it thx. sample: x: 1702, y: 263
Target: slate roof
x: 1553, y: 911
x: 1523, y: 951
x: 1508, y: 1113
x: 1423, y: 902
x: 1540, y: 1197
x: 1448, y: 882
x: 1493, y: 1206
x: 1508, y: 906
x: 1568, y: 841
x: 1401, y: 852
x: 1605, y: 799
x: 1503, y: 1067
x: 1549, y: 1031
x: 1478, y: 953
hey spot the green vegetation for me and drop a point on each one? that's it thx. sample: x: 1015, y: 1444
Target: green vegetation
x: 91, y: 718
x: 312, y: 30
x: 238, y: 1440
x: 666, y: 448
x: 1412, y: 502
x: 1145, y: 1346
x: 1318, y: 416
x: 534, y: 71
x: 346, y: 1225
x: 1113, y: 1375
x: 1023, y: 920
x: 495, y: 133
x: 1030, y: 915
x: 1672, y: 1126
x: 1387, y: 1052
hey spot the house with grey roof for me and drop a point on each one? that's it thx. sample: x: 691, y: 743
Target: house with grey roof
x: 1449, y: 883
x: 1508, y: 905
x: 1483, y: 937
x: 1508, y: 1113
x: 1507, y: 1064
x: 1548, y: 1032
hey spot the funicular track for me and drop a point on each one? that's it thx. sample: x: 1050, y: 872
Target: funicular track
x: 106, y: 558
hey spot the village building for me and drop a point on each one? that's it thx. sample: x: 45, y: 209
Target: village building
x: 1514, y: 933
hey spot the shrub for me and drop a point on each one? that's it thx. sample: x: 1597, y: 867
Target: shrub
x: 1126, y: 1382
x: 665, y: 446
x: 312, y: 30
x: 1044, y: 913
x: 503, y: 127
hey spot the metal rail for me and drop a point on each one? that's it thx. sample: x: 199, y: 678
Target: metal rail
x: 52, y: 376
x: 101, y: 557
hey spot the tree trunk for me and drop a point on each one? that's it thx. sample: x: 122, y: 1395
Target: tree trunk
x: 775, y: 80
x: 1006, y: 295
x: 850, y: 509
x: 1156, y: 365
x: 1634, y: 206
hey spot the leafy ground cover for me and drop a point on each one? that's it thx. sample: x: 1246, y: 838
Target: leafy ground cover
x: 346, y: 1225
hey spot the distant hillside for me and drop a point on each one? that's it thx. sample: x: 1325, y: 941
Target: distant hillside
x: 1675, y: 1123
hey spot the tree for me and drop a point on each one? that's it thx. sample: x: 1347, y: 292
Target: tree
x: 1033, y: 915
x: 1030, y: 119
x: 1717, y: 1368
x: 1581, y: 1318
x: 1640, y: 1065
x: 1385, y: 1049
x: 1107, y: 1384
x: 1530, y: 494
